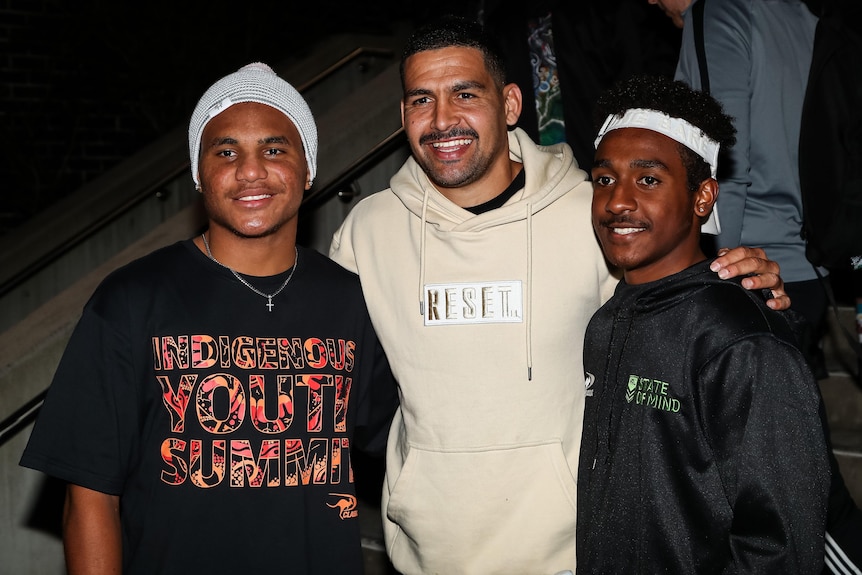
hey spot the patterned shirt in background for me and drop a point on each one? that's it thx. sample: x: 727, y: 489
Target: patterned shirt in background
x: 546, y: 82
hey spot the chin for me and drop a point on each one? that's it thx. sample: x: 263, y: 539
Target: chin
x: 624, y: 262
x: 255, y: 232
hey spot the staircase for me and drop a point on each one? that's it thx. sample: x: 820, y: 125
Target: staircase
x: 842, y: 396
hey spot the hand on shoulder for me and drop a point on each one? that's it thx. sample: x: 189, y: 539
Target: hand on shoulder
x: 760, y: 272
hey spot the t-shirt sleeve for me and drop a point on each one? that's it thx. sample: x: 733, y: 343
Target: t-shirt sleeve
x: 380, y: 400
x: 86, y: 428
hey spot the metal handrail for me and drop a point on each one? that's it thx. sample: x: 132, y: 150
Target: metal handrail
x: 21, y: 417
x: 39, y: 262
x: 316, y: 198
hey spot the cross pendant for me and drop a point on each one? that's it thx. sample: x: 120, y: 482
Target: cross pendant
x: 269, y: 303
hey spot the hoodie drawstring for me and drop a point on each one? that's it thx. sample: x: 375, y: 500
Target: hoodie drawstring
x: 422, y: 233
x: 528, y: 296
x: 528, y: 292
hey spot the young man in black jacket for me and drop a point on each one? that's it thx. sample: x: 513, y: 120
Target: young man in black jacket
x: 702, y: 450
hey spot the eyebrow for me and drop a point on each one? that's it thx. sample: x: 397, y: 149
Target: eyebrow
x: 274, y: 140
x: 604, y: 163
x: 468, y: 85
x: 601, y: 163
x: 648, y: 164
x: 230, y: 141
x: 457, y: 87
x: 417, y: 92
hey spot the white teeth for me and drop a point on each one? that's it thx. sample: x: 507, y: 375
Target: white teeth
x: 451, y: 143
x: 626, y: 231
x: 253, y: 198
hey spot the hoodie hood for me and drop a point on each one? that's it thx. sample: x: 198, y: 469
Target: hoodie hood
x: 668, y: 291
x: 551, y: 171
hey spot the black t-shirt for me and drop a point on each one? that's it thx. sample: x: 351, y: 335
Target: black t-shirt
x: 225, y: 428
x: 501, y: 198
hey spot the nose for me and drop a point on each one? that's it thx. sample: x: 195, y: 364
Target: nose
x: 444, y: 116
x: 620, y: 200
x: 251, y: 167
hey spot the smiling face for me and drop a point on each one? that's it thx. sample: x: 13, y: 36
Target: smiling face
x: 646, y: 219
x: 456, y: 119
x: 253, y: 171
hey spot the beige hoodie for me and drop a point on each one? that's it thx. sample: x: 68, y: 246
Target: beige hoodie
x: 483, y: 319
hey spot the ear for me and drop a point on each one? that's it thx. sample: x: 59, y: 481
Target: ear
x: 402, y: 113
x: 705, y: 197
x: 512, y: 98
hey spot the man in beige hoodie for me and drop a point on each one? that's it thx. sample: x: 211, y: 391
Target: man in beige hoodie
x: 480, y: 271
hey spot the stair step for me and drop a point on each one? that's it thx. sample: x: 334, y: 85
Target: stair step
x: 840, y: 357
x: 850, y: 463
x: 842, y: 396
x: 843, y: 400
x: 371, y: 530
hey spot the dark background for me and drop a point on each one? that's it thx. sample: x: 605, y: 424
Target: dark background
x: 87, y: 83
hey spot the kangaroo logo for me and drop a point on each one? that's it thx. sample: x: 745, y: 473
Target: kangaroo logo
x: 346, y: 505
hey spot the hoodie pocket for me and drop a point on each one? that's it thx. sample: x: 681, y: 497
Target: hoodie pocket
x: 500, y: 511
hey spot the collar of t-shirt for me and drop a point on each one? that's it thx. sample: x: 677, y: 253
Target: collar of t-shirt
x: 502, y: 198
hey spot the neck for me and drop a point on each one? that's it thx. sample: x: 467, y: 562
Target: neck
x: 485, y: 188
x: 264, y: 256
x: 661, y: 269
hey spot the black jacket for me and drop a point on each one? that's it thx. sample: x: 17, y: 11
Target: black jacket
x: 702, y: 450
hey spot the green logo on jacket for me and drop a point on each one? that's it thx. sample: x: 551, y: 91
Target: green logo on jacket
x: 651, y: 393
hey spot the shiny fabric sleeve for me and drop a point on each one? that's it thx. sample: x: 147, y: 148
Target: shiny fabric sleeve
x: 759, y: 408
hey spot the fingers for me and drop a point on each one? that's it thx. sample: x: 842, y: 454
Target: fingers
x: 760, y: 272
x: 779, y: 303
x: 763, y: 281
x: 780, y: 300
x: 743, y: 261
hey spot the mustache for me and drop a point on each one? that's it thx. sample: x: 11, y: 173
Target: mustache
x: 453, y: 133
x: 623, y: 221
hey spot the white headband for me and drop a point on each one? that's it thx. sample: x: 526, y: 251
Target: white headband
x: 676, y: 129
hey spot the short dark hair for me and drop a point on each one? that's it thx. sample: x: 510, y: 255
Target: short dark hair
x: 677, y: 100
x: 457, y: 31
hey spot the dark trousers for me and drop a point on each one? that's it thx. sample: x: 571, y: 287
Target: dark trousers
x: 810, y: 300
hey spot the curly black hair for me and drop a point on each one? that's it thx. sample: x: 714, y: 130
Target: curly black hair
x: 457, y: 31
x: 678, y: 100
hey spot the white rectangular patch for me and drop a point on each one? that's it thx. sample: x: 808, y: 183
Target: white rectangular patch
x: 466, y: 303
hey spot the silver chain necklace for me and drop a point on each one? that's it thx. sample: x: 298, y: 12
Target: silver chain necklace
x: 242, y: 280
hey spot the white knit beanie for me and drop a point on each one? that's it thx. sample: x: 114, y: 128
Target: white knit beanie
x: 258, y: 83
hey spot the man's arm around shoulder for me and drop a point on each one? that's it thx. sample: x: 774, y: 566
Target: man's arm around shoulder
x: 760, y: 272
